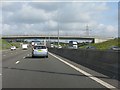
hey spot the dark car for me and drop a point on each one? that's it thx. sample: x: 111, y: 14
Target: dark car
x: 90, y: 47
x: 116, y: 48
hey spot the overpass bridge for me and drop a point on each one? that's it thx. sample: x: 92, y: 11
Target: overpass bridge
x: 61, y: 37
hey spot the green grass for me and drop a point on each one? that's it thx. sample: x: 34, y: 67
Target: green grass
x: 105, y: 45
x: 6, y: 45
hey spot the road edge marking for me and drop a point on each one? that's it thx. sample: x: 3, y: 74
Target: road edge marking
x: 107, y: 85
x: 17, y: 62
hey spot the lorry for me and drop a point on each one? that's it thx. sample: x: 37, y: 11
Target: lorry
x: 34, y: 43
x: 73, y: 44
x: 24, y: 46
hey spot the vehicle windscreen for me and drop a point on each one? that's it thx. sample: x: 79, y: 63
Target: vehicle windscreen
x: 39, y: 47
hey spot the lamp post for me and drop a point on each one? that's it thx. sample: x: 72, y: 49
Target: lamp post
x: 58, y: 35
x: 58, y: 28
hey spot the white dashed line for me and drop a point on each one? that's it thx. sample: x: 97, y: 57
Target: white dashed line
x: 17, y: 62
x: 0, y: 74
x: 84, y: 72
x: 27, y: 54
x: 11, y: 53
x: 4, y: 55
x: 23, y: 57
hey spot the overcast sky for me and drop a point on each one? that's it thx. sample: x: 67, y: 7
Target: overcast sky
x: 31, y: 18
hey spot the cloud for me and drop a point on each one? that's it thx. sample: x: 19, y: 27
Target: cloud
x: 44, y: 17
x: 47, y: 6
x: 30, y: 15
x: 10, y: 6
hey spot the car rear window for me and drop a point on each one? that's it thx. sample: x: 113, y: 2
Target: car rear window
x: 39, y: 47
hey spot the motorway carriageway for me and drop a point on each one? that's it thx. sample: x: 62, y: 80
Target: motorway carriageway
x: 20, y: 70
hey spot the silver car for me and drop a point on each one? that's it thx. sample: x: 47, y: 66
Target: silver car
x: 40, y: 50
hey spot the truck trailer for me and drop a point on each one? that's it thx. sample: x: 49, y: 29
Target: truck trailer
x: 24, y: 46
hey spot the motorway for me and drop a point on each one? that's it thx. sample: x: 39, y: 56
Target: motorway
x: 20, y: 70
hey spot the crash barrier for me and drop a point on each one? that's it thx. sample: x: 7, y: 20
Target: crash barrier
x: 105, y: 62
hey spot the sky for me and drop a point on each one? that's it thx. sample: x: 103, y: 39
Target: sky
x: 71, y: 18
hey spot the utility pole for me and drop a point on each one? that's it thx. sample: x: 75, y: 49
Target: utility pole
x: 58, y: 35
x: 87, y: 30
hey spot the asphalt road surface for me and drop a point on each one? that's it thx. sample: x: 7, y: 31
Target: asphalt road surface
x: 20, y: 70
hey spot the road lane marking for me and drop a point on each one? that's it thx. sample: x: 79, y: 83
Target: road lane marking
x: 0, y: 74
x: 27, y: 54
x: 24, y: 57
x: 11, y: 53
x: 4, y: 55
x: 107, y: 85
x: 17, y: 62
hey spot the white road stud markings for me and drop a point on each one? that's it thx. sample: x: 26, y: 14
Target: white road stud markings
x: 85, y: 73
x: 17, y: 62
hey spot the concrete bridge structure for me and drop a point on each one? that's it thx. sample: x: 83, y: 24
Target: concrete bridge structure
x: 61, y: 37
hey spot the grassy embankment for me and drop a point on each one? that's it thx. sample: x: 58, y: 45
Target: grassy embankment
x: 105, y: 45
x: 6, y: 45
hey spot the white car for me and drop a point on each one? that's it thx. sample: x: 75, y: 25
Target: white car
x: 59, y: 46
x: 13, y: 48
x: 40, y: 50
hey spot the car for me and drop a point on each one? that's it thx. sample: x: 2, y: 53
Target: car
x: 59, y: 46
x: 90, y: 47
x: 40, y: 51
x: 116, y: 48
x: 13, y: 48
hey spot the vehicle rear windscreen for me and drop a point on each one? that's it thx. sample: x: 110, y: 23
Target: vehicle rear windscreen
x: 39, y: 47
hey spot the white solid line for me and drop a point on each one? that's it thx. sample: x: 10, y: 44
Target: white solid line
x: 85, y: 73
x: 17, y: 62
